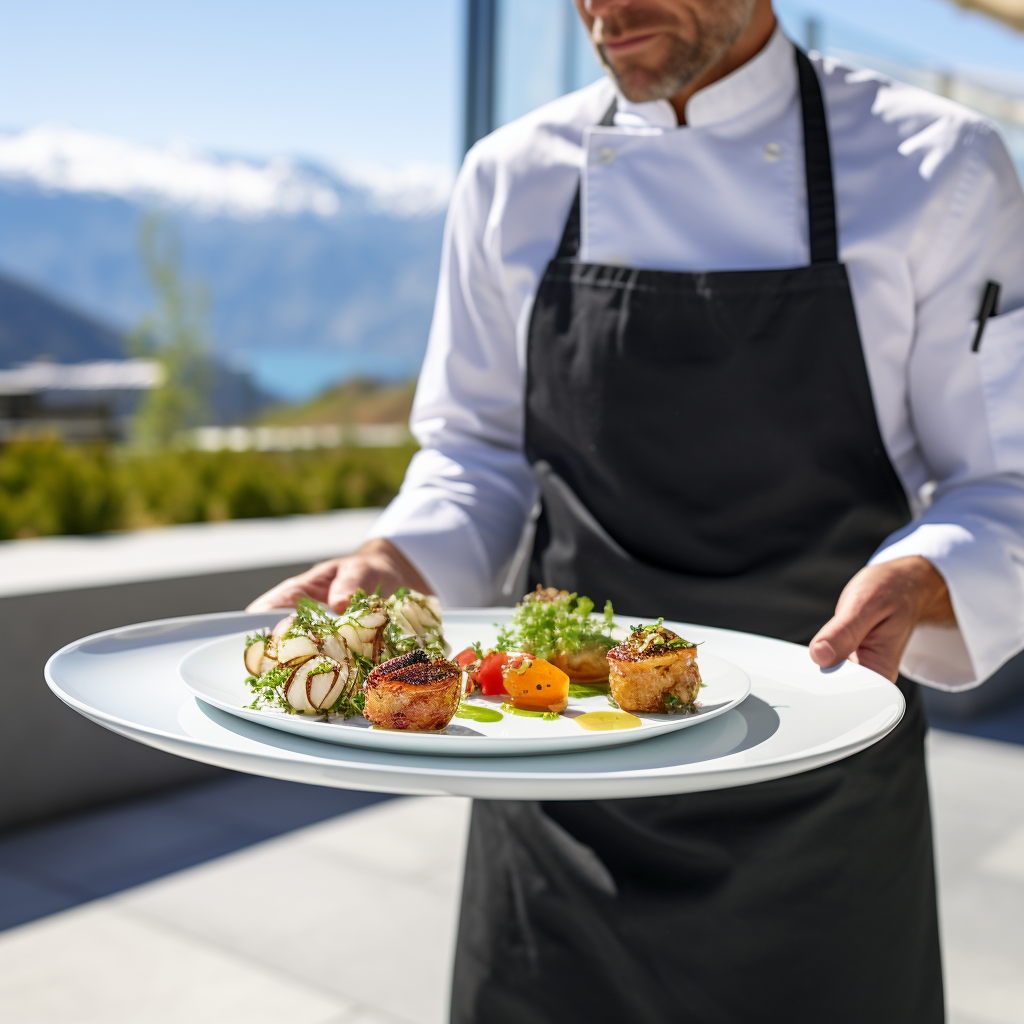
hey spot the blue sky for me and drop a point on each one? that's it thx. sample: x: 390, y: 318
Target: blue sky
x: 359, y: 80
x: 377, y: 80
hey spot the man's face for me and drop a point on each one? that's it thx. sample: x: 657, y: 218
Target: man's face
x: 655, y: 48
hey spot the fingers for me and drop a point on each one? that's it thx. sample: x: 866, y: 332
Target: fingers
x: 874, y: 619
x: 876, y: 644
x: 283, y: 625
x: 284, y: 595
x: 822, y: 651
x: 314, y: 583
x: 359, y: 574
x: 881, y: 653
x: 377, y: 563
x: 858, y: 612
x: 840, y: 637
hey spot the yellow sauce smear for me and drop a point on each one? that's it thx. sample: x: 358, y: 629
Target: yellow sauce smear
x: 605, y: 721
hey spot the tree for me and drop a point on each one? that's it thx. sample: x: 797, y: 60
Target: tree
x: 175, y: 335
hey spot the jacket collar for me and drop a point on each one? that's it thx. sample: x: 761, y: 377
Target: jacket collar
x: 768, y: 79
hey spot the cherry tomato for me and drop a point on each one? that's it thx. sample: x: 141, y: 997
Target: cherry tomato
x: 489, y: 674
x: 465, y: 658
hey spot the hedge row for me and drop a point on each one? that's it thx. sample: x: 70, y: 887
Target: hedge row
x: 49, y: 488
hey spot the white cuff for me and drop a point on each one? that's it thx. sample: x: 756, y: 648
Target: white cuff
x: 986, y: 590
x: 438, y: 537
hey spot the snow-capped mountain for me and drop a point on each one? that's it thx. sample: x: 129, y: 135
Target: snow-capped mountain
x: 179, y: 175
x: 298, y: 258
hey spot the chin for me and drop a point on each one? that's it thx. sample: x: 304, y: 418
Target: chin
x: 641, y: 87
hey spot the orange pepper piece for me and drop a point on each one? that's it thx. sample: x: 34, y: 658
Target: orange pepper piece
x: 535, y: 684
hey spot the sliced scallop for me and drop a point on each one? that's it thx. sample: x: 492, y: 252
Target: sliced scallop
x: 254, y: 658
x: 291, y: 649
x: 335, y: 648
x: 324, y: 688
x: 295, y: 689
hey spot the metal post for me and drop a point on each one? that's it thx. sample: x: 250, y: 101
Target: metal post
x: 481, y: 18
x: 570, y: 22
x: 812, y: 34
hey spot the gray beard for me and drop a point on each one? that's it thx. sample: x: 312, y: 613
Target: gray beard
x: 690, y: 59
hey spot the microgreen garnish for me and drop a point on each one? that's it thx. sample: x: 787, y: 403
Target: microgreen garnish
x: 550, y: 620
x: 312, y: 618
x: 655, y: 635
x: 269, y: 687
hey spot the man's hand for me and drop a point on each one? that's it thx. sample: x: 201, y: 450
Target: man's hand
x: 878, y: 610
x: 377, y: 563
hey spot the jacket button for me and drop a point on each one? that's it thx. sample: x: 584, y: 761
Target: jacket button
x: 772, y: 152
x: 606, y: 155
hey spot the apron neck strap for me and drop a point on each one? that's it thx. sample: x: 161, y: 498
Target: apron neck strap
x: 821, y: 205
x: 821, y: 202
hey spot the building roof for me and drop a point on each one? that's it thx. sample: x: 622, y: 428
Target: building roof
x: 104, y: 375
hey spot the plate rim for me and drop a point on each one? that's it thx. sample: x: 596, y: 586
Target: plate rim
x: 474, y: 766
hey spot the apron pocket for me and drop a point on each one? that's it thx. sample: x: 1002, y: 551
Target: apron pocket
x: 1001, y: 371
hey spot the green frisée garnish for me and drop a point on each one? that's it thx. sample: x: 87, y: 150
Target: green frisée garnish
x: 269, y: 689
x: 549, y: 620
x: 313, y: 619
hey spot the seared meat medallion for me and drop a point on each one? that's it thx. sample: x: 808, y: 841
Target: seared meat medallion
x: 413, y: 692
x: 654, y: 670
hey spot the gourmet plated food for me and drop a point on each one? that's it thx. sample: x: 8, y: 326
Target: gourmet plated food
x: 560, y: 627
x: 316, y: 663
x: 535, y: 684
x: 413, y: 691
x: 554, y: 633
x: 654, y: 670
x: 386, y: 660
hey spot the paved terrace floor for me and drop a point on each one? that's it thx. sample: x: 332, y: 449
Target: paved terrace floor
x: 305, y: 928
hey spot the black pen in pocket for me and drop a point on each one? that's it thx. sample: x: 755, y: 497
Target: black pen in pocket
x: 989, y: 307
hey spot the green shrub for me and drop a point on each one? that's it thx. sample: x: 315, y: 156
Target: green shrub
x: 47, y: 487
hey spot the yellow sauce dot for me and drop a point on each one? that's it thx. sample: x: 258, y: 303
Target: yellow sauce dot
x: 604, y: 721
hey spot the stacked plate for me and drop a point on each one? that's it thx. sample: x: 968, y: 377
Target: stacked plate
x: 765, y: 711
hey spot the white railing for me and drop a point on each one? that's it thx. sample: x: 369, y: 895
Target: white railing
x: 285, y: 439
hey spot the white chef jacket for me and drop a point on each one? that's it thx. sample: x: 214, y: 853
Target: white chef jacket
x: 929, y: 208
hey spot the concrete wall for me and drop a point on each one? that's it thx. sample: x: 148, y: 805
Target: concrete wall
x: 52, y: 759
x: 55, y: 590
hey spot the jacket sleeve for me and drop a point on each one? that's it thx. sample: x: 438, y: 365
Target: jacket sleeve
x: 467, y: 495
x: 968, y: 413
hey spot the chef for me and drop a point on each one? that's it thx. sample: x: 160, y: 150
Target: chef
x: 746, y: 328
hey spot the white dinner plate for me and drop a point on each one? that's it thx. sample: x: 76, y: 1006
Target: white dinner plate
x: 215, y: 673
x: 796, y: 718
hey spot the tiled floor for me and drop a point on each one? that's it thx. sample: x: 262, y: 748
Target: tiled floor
x: 306, y: 928
x: 978, y: 800
x: 302, y: 929
x: 54, y: 866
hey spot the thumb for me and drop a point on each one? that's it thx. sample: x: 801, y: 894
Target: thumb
x: 841, y: 635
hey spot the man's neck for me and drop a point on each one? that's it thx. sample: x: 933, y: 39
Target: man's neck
x: 755, y: 37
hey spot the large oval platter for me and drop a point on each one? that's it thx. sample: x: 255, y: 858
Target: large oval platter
x: 215, y: 674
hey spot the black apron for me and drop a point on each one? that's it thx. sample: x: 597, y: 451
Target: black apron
x: 707, y: 449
